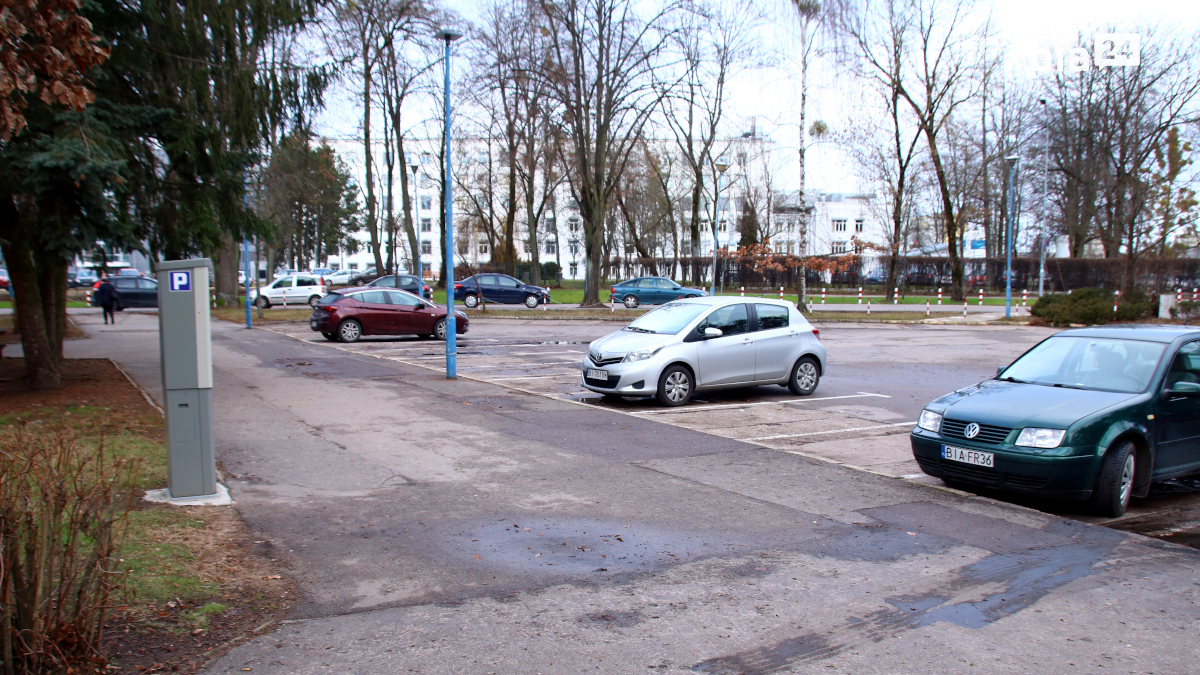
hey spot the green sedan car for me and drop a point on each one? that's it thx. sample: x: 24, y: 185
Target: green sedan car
x: 1092, y: 414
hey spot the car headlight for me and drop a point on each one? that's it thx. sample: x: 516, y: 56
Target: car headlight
x: 642, y: 354
x: 1032, y: 437
x: 930, y: 421
x: 704, y: 294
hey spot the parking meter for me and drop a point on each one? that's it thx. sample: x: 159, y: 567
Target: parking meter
x: 185, y: 347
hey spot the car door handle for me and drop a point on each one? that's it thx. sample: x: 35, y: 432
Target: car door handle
x: 748, y: 341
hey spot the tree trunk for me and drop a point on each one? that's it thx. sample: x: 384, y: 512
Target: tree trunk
x: 226, y: 272
x: 42, y: 366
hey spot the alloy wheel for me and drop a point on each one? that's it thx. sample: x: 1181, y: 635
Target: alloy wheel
x: 1127, y: 481
x: 349, y: 331
x: 806, y: 376
x: 677, y: 386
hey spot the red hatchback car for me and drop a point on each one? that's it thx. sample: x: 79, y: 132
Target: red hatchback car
x: 347, y: 316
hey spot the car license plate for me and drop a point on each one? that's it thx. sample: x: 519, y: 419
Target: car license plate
x: 594, y: 374
x: 969, y: 456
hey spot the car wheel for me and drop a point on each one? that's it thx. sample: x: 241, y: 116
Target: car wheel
x: 329, y: 336
x: 1114, y: 484
x: 360, y: 282
x: 631, y: 301
x: 262, y: 302
x: 439, y: 329
x: 531, y: 301
x: 349, y: 331
x: 675, y: 386
x: 312, y: 300
x: 471, y: 301
x: 805, y: 376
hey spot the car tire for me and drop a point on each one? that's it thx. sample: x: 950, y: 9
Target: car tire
x: 332, y: 337
x: 805, y: 376
x: 313, y: 300
x: 360, y: 282
x: 262, y: 302
x: 349, y: 331
x: 675, y: 386
x: 1114, y: 483
x: 630, y: 301
x: 439, y: 330
x: 471, y: 301
x: 531, y: 301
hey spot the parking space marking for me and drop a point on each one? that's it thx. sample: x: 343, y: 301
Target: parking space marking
x: 831, y: 431
x: 704, y: 408
x: 530, y: 377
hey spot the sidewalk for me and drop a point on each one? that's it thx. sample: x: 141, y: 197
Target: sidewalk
x: 446, y: 526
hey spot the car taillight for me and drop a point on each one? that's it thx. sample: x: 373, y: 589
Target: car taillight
x: 613, y: 291
x: 817, y: 333
x: 457, y: 286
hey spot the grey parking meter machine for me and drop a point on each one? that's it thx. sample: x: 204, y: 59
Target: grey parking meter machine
x: 185, y: 345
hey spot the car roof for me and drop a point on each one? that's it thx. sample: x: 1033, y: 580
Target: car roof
x: 721, y: 300
x: 1135, y: 332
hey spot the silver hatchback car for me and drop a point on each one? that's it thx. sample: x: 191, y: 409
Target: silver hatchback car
x: 707, y: 343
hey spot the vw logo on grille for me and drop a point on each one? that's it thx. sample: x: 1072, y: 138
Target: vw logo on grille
x: 971, y: 431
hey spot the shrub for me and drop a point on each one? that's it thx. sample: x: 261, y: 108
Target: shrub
x: 63, y: 506
x: 1090, y: 306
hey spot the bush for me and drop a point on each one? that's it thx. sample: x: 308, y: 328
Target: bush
x: 63, y: 507
x: 550, y: 271
x: 1090, y: 306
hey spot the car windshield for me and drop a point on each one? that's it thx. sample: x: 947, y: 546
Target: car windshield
x: 668, y: 319
x: 1088, y: 363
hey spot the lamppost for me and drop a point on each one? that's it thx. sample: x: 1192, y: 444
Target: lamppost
x: 720, y: 165
x: 246, y: 266
x: 1045, y: 193
x: 451, y: 324
x: 1012, y: 182
x: 414, y: 164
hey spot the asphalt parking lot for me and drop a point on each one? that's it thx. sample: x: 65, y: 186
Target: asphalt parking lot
x: 879, y: 377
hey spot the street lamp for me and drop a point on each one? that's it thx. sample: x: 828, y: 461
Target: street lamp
x: 1045, y: 193
x: 1012, y: 182
x: 721, y: 164
x: 451, y: 324
x: 415, y: 164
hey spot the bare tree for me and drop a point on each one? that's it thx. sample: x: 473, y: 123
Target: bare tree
x: 601, y: 70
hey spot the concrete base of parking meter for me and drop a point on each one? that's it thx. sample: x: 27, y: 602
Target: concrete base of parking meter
x: 185, y: 347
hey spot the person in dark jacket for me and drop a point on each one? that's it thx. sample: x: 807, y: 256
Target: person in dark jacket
x: 106, y: 297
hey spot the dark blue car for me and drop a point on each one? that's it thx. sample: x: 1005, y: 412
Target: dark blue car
x: 651, y: 291
x: 500, y: 289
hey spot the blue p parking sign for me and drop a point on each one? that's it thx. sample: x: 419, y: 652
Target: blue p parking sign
x: 181, y: 280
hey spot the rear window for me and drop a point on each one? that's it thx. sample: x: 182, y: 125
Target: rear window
x: 329, y: 299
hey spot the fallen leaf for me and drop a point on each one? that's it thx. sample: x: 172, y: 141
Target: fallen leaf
x: 273, y: 576
x: 477, y: 557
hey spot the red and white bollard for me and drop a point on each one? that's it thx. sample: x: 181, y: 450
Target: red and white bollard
x: 926, y: 308
x: 868, y: 307
x: 1178, y: 296
x: 1024, y: 297
x: 981, y: 297
x: 860, y: 295
x: 939, y: 296
x: 964, y: 309
x: 822, y: 296
x: 743, y: 291
x: 1193, y: 295
x: 1116, y: 300
x: 895, y: 295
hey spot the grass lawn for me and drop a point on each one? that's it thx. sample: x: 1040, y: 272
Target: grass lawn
x: 274, y: 314
x: 187, y: 566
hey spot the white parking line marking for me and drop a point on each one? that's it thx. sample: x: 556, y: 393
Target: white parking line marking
x: 831, y: 431
x: 703, y: 408
x: 546, y: 353
x: 530, y: 377
x: 913, y: 475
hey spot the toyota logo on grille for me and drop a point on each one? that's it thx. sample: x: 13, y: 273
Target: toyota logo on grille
x: 971, y: 431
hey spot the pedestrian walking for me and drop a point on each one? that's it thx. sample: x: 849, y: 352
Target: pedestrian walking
x: 106, y: 297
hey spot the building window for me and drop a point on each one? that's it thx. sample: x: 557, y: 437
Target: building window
x: 574, y: 226
x: 721, y: 226
x: 427, y: 225
x: 353, y: 266
x: 573, y: 247
x: 551, y: 248
x: 791, y: 247
x: 839, y: 226
x: 839, y: 246
x: 858, y: 225
x: 574, y: 269
x: 527, y: 247
x: 426, y: 202
x: 858, y: 249
x: 483, y: 249
x: 426, y: 248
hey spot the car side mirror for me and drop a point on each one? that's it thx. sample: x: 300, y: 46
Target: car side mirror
x: 710, y: 332
x: 1182, y: 390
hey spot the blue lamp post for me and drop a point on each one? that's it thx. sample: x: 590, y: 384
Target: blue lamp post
x: 721, y: 164
x: 1012, y: 185
x: 451, y: 322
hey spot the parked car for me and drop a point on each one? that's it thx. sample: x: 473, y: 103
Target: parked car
x: 4, y: 278
x: 85, y: 278
x: 405, y: 282
x: 133, y: 292
x: 339, y: 277
x: 285, y: 272
x: 294, y: 289
x: 500, y: 289
x: 365, y: 277
x: 1092, y: 414
x: 321, y: 272
x: 651, y: 291
x: 707, y: 343
x: 347, y: 316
